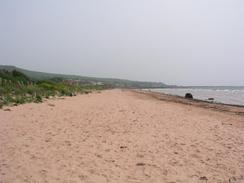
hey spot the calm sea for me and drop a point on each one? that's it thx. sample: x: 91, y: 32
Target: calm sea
x: 226, y: 95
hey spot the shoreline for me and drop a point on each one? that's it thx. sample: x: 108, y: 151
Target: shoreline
x: 196, y: 99
x: 231, y: 108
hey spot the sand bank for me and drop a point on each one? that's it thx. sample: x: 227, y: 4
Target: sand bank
x: 120, y: 136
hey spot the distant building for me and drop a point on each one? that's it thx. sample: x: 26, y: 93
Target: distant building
x: 83, y: 82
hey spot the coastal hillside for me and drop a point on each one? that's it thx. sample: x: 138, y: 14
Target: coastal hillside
x: 111, y: 82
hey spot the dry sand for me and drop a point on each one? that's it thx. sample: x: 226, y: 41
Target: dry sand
x: 120, y: 136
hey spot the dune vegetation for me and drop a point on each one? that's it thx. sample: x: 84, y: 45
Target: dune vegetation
x: 17, y: 88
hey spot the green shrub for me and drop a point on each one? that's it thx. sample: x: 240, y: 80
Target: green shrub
x: 38, y: 99
x: 47, y: 85
x: 14, y: 76
x: 20, y: 100
x: 8, y: 99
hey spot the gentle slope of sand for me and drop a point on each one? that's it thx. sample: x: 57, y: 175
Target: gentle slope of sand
x: 120, y: 136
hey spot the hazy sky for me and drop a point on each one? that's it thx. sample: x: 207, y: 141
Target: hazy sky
x: 185, y: 42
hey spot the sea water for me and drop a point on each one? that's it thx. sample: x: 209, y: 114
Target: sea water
x: 226, y: 95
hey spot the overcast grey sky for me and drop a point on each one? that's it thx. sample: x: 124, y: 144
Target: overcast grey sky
x: 184, y: 42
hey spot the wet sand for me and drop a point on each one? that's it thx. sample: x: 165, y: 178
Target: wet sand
x: 120, y: 136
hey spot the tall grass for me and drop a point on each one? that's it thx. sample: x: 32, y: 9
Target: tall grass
x: 16, y: 88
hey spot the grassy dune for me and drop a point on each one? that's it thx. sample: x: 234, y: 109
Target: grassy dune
x: 16, y: 88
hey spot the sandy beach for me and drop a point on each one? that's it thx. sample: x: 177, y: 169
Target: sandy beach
x: 120, y: 136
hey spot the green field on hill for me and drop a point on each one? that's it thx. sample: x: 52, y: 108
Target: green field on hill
x: 110, y: 82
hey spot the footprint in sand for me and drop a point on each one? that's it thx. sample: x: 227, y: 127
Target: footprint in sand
x: 43, y: 173
x: 203, y: 179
